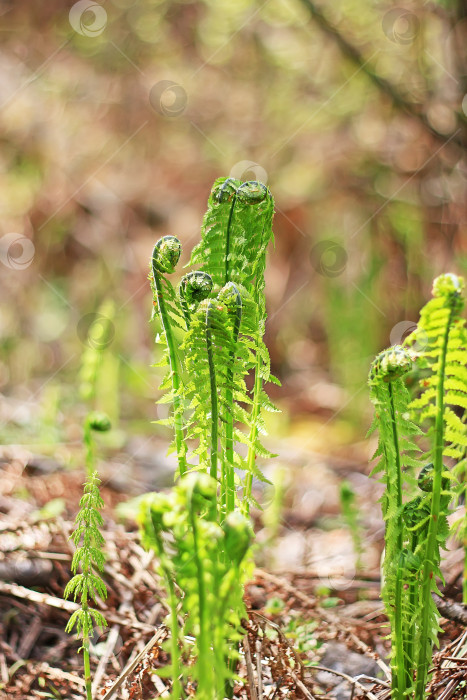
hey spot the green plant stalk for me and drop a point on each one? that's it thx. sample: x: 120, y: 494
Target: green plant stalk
x: 87, y: 664
x: 229, y: 442
x: 464, y: 537
x: 204, y: 677
x: 413, y: 603
x: 178, y: 408
x: 218, y: 635
x: 90, y: 458
x: 174, y: 652
x: 174, y: 630
x: 431, y: 545
x: 214, y: 406
x: 227, y: 240
x: 251, y: 456
x: 399, y: 683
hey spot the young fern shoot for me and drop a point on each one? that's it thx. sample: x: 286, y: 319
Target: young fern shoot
x: 395, y: 450
x: 236, y: 231
x: 87, y: 585
x: 441, y: 330
x: 213, y: 331
x: 165, y: 257
x: 207, y: 562
x: 417, y: 527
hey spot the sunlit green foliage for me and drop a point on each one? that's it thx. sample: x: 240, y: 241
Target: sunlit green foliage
x: 219, y: 317
x: 207, y: 563
x: 420, y: 485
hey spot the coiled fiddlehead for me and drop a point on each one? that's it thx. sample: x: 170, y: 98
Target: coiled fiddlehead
x: 194, y: 288
x: 165, y: 257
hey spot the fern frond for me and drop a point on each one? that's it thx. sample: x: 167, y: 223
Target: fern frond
x: 442, y: 336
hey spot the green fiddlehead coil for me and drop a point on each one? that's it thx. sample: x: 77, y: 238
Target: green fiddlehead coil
x: 194, y: 288
x: 165, y: 257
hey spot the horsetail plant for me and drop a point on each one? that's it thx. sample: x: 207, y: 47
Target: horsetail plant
x: 213, y: 331
x: 415, y: 505
x: 87, y: 585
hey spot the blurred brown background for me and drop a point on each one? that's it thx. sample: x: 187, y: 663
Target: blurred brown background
x: 117, y: 117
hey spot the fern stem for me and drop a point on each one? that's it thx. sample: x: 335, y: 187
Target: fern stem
x: 174, y: 651
x: 227, y: 239
x: 213, y: 385
x: 229, y: 450
x: 178, y: 408
x: 464, y: 579
x: 431, y: 554
x: 399, y: 678
x: 253, y: 436
x: 204, y: 677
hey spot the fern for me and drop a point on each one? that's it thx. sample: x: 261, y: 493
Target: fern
x: 443, y: 387
x: 206, y: 562
x: 165, y: 257
x: 219, y: 314
x: 235, y: 234
x: 417, y: 529
x: 396, y: 450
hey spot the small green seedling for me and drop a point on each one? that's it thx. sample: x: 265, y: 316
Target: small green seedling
x: 87, y: 585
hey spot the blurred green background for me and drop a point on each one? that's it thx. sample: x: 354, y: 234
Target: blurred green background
x: 117, y: 117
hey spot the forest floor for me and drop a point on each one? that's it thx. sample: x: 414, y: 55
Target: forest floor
x: 316, y: 627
